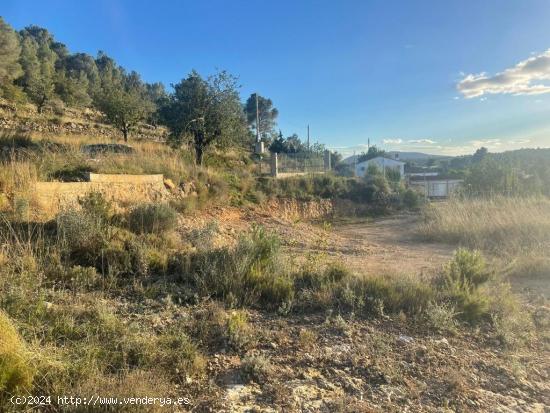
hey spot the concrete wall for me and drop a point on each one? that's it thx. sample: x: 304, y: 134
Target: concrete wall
x: 50, y: 197
x: 383, y: 164
x: 123, y: 178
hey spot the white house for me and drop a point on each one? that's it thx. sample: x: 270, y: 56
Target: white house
x: 382, y: 163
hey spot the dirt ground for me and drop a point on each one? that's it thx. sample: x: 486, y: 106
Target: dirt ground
x: 388, y: 245
x: 323, y: 363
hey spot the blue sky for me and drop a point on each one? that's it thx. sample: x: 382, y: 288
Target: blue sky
x: 386, y: 70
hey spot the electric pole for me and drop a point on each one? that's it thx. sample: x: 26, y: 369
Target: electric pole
x: 308, y: 138
x: 257, y: 120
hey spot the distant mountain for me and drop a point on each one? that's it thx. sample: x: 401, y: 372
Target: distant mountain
x: 416, y: 156
x: 403, y: 156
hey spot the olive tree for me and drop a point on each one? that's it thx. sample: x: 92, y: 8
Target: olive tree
x: 124, y: 109
x: 205, y: 111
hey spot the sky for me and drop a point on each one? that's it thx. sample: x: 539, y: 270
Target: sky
x: 441, y: 77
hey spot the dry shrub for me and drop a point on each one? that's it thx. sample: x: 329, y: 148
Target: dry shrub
x: 215, y: 329
x: 256, y: 368
x: 531, y: 266
x: 501, y: 225
x: 137, y: 383
x: 307, y: 339
x: 152, y: 218
x: 16, y: 372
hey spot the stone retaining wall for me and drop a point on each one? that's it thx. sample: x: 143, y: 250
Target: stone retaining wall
x: 123, y: 190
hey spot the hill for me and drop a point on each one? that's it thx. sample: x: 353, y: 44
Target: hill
x: 404, y: 156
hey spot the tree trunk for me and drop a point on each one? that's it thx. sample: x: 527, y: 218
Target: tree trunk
x: 199, y: 148
x: 41, y: 104
x: 125, y: 133
x: 199, y: 152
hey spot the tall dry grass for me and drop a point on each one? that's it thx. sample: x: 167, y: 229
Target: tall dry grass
x: 500, y: 225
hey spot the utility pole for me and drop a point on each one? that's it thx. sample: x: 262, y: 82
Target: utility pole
x: 259, y: 147
x: 257, y: 120
x: 354, y: 164
x: 308, y: 147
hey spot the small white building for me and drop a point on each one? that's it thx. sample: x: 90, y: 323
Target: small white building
x: 435, y: 186
x: 382, y: 163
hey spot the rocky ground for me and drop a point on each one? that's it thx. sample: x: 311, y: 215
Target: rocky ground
x: 325, y: 363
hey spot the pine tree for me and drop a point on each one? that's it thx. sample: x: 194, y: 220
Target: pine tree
x: 38, y: 62
x: 10, y: 51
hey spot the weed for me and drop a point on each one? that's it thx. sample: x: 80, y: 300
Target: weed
x: 152, y: 218
x: 16, y: 372
x: 256, y: 368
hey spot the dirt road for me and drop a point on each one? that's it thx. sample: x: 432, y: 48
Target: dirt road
x: 381, y: 246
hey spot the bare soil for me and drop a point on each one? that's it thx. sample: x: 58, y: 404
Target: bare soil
x: 368, y: 365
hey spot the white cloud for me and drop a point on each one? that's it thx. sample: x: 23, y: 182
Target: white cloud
x: 525, y: 78
x: 424, y: 141
x: 487, y: 143
x: 520, y: 141
x: 392, y: 141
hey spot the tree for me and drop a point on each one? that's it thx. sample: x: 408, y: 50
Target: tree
x: 207, y: 111
x: 156, y: 94
x: 479, y: 155
x: 38, y: 62
x: 79, y: 63
x: 124, y: 109
x: 266, y: 113
x: 278, y: 145
x: 72, y: 88
x: 111, y: 76
x: 373, y: 152
x: 10, y: 51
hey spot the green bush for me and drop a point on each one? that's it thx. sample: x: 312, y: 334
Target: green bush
x: 460, y: 285
x: 411, y: 199
x: 251, y: 273
x: 240, y: 334
x: 152, y: 218
x: 82, y: 236
x: 95, y: 204
x: 467, y: 270
x: 178, y: 355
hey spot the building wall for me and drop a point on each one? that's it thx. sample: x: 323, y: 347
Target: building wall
x: 442, y: 188
x: 381, y: 163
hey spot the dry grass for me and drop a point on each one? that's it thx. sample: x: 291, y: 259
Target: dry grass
x: 500, y: 225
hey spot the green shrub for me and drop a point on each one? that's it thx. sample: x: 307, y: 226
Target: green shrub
x: 95, y: 204
x: 178, y: 355
x: 394, y: 294
x: 251, y: 273
x: 411, y: 199
x: 16, y: 372
x: 460, y: 285
x: 316, y: 280
x: 240, y: 334
x: 467, y: 270
x: 82, y: 236
x: 152, y: 218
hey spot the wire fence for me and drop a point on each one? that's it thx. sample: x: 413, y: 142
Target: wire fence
x: 300, y: 163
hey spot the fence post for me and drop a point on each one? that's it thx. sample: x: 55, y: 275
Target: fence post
x: 327, y: 160
x: 274, y: 165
